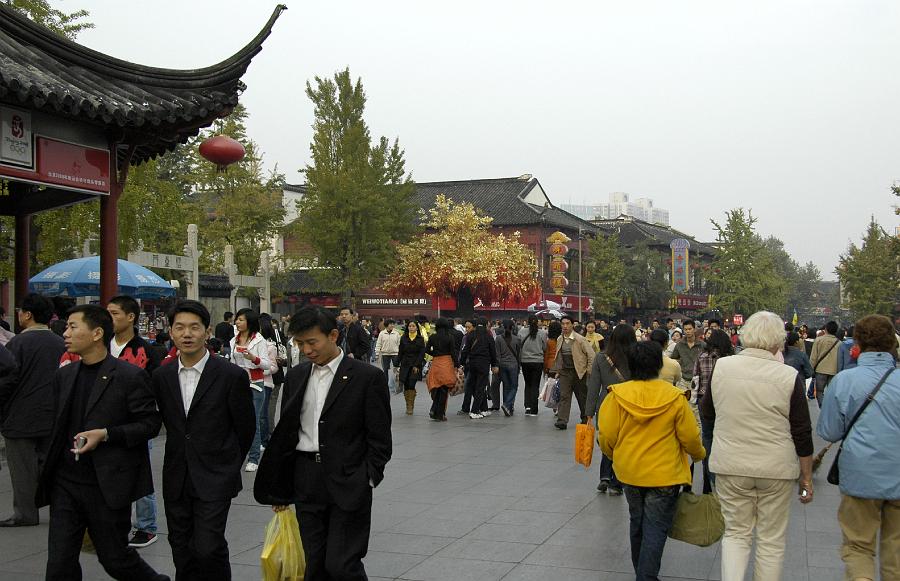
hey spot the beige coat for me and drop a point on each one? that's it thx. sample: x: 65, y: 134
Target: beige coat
x: 582, y: 354
x: 752, y: 396
x: 829, y: 362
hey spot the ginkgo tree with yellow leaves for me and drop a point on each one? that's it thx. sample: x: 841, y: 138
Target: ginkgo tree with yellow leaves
x: 459, y: 256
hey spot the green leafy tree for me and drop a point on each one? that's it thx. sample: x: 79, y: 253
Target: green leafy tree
x: 646, y: 277
x: 806, y: 293
x: 787, y: 270
x: 67, y: 24
x: 604, y: 272
x: 240, y: 206
x: 358, y: 203
x: 745, y: 275
x: 870, y: 273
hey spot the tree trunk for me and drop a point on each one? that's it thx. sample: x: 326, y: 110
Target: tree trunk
x: 465, y: 303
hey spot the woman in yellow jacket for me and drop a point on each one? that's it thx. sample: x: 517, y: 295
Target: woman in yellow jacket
x: 648, y: 429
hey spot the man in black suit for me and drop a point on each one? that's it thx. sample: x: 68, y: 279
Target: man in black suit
x: 97, y: 461
x: 329, y: 449
x: 224, y: 332
x: 207, y: 407
x: 353, y: 339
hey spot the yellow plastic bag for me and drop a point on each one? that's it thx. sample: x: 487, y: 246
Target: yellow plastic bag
x: 282, y: 557
x: 584, y: 444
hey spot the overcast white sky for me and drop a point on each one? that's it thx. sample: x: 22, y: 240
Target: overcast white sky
x: 791, y: 108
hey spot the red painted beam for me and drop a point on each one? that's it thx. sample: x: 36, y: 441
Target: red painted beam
x: 23, y: 256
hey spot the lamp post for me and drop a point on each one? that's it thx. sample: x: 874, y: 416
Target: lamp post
x: 580, y: 272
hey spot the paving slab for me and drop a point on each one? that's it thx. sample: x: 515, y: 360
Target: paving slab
x: 476, y: 500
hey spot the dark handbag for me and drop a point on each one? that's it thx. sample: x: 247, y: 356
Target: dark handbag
x: 834, y: 475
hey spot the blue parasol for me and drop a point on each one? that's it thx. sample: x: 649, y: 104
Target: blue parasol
x: 81, y: 277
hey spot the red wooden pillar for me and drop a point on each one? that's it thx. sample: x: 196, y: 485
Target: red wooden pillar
x: 23, y: 256
x: 109, y: 232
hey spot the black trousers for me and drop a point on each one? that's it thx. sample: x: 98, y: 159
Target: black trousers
x: 335, y: 540
x: 197, y: 536
x: 532, y: 373
x: 476, y: 389
x: 76, y: 507
x: 439, y: 401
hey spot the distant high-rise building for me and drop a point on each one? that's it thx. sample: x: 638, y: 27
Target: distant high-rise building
x: 619, y: 205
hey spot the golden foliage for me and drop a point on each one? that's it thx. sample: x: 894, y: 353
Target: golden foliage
x: 458, y: 250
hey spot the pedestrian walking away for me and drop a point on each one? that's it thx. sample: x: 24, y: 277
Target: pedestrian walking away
x: 442, y: 347
x: 862, y: 408
x: 509, y: 354
x: 762, y: 443
x: 534, y: 349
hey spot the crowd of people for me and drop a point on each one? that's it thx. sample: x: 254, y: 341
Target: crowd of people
x: 304, y: 402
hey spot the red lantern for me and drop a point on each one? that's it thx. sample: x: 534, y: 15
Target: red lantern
x: 559, y: 265
x: 222, y: 151
x: 558, y: 249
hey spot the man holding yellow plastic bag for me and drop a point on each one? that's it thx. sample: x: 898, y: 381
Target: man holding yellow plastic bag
x: 329, y: 449
x: 282, y: 557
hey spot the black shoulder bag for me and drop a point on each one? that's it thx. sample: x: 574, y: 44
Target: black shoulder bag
x: 834, y: 475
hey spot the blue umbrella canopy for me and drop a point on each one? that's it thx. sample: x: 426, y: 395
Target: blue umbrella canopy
x: 81, y: 277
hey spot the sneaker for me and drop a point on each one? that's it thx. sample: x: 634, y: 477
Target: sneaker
x: 141, y: 539
x: 462, y: 413
x: 251, y: 467
x: 530, y: 414
x: 615, y: 491
x: 560, y: 426
x: 506, y: 411
x: 475, y: 416
x: 603, y: 486
x: 486, y: 413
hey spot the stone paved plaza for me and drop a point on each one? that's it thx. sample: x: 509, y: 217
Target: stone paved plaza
x: 498, y: 498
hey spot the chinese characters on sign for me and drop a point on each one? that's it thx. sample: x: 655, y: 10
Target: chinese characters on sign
x: 394, y: 302
x: 558, y: 264
x: 680, y: 265
x: 692, y: 302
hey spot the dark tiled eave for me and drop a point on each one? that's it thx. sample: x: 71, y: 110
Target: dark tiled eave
x: 153, y: 109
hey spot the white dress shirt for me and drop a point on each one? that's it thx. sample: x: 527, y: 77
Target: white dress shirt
x: 320, y: 378
x: 189, y: 377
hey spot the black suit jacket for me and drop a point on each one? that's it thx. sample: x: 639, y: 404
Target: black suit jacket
x: 121, y: 401
x: 354, y: 436
x: 358, y: 340
x: 208, y: 444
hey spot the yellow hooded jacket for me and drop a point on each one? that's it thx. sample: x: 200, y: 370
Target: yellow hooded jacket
x: 648, y: 429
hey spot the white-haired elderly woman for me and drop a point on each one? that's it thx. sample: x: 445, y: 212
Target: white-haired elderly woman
x: 762, y: 443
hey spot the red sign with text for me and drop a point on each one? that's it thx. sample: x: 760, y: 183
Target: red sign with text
x: 67, y: 165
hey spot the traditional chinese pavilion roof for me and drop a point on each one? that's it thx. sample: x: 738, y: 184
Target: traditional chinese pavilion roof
x: 518, y: 201
x: 632, y: 231
x: 151, y: 108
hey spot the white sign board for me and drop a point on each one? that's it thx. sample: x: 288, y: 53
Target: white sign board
x: 157, y: 260
x: 16, y: 143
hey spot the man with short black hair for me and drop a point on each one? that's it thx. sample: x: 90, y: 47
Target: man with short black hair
x: 824, y: 358
x: 686, y: 352
x: 97, y: 463
x: 353, y: 339
x: 574, y: 359
x: 129, y: 346
x: 207, y: 407
x: 224, y: 332
x: 27, y: 405
x: 329, y: 449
